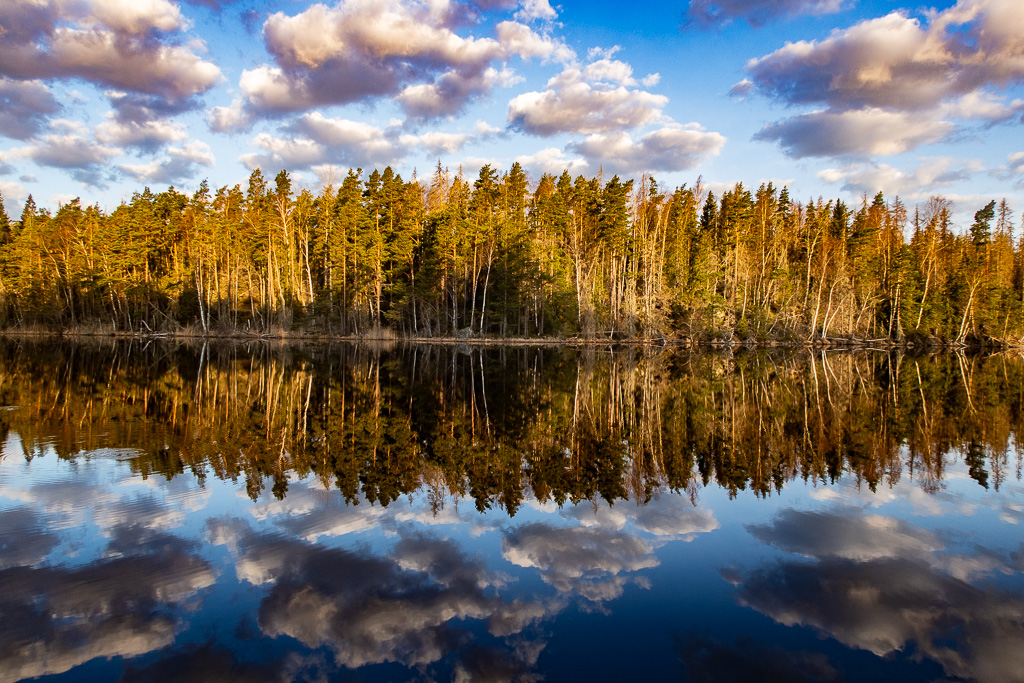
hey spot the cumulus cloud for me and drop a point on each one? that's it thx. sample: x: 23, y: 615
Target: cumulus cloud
x: 757, y: 13
x: 553, y: 160
x: 358, y: 50
x: 433, y: 100
x: 859, y: 132
x: 436, y: 142
x: 891, y: 61
x: 179, y: 164
x: 291, y: 153
x: 518, y: 39
x: 230, y: 119
x: 319, y: 140
x: 13, y: 194
x: 536, y: 9
x: 673, y: 518
x: 986, y: 107
x: 134, y: 17
x: 930, y: 175
x: 114, y: 43
x: 25, y: 108
x: 575, y: 103
x: 70, y: 150
x: 952, y: 65
x: 148, y: 136
x: 742, y: 89
x: 668, y: 518
x: 1014, y: 167
x: 673, y: 148
x: 483, y: 128
x: 140, y: 108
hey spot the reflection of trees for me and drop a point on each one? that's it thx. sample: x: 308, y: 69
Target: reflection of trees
x: 571, y: 425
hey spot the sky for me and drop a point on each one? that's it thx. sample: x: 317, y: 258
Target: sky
x: 833, y: 98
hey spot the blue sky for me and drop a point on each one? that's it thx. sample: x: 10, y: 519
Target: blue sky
x: 99, y: 98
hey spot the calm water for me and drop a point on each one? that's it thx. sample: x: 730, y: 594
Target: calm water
x: 175, y: 513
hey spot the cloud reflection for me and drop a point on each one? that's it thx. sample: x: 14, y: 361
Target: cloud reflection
x: 24, y: 543
x: 55, y: 618
x: 589, y: 562
x: 412, y: 607
x: 883, y: 586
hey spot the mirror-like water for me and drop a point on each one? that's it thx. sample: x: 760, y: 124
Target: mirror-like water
x: 432, y: 513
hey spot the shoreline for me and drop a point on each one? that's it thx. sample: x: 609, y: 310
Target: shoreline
x: 684, y: 342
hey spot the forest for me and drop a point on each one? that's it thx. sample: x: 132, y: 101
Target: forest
x: 502, y: 256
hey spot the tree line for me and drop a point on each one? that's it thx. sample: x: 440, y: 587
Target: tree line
x: 502, y: 256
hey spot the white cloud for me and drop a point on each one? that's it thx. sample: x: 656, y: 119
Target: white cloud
x: 83, y: 158
x: 742, y: 88
x: 610, y: 71
x: 317, y: 140
x: 672, y: 148
x: 284, y: 152
x: 571, y: 104
x: 432, y: 100
x: 179, y: 164
x: 519, y: 39
x: 360, y: 49
x: 932, y: 174
x: 553, y: 160
x: 230, y: 119
x: 536, y: 9
x: 984, y: 106
x: 148, y: 135
x: 13, y: 192
x: 113, y: 43
x: 869, y: 131
x: 896, y: 72
x: 483, y: 128
x: 135, y: 17
x: 1014, y: 167
x: 436, y: 142
x: 25, y: 107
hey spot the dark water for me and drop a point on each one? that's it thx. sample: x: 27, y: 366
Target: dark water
x: 251, y: 513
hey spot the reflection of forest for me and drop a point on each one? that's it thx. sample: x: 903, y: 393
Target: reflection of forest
x: 487, y: 424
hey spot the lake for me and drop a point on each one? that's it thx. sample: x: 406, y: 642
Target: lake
x: 261, y: 512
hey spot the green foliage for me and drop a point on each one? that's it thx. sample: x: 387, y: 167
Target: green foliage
x: 502, y: 256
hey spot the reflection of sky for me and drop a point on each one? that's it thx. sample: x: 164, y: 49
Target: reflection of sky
x: 884, y: 585
x: 165, y: 576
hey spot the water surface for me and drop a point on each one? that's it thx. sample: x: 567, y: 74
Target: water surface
x: 418, y: 513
